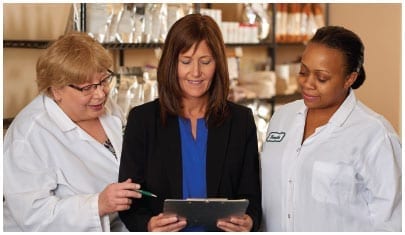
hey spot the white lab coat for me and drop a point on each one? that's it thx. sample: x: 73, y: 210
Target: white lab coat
x: 344, y: 177
x: 54, y: 171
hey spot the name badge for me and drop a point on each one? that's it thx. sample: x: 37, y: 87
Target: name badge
x: 275, y: 137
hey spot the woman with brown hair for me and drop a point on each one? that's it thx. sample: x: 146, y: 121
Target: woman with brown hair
x: 191, y: 142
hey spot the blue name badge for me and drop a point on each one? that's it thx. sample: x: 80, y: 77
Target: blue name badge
x: 275, y: 137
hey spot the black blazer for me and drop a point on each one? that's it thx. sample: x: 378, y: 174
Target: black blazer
x: 151, y: 156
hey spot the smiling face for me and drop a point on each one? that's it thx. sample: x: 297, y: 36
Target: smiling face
x: 196, y: 68
x: 322, y: 79
x: 80, y: 107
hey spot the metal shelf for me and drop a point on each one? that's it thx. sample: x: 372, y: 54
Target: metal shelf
x: 266, y: 44
x: 42, y: 44
x: 35, y: 44
x: 120, y: 46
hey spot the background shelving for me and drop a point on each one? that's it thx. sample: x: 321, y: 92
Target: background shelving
x: 269, y: 46
x: 36, y: 21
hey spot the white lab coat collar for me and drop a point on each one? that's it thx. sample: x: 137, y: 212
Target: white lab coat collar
x: 66, y: 124
x: 70, y: 148
x: 302, y: 109
x: 56, y: 113
x: 343, y: 112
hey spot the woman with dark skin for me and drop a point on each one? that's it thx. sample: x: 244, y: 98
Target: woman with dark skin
x: 329, y: 163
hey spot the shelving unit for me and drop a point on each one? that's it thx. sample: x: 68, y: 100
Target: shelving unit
x: 271, y: 45
x: 197, y: 6
x: 34, y: 44
x: 43, y: 44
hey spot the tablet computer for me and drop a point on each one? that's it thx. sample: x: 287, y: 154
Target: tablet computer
x: 205, y: 212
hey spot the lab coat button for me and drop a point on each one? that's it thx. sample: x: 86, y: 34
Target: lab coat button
x: 289, y: 216
x: 298, y: 149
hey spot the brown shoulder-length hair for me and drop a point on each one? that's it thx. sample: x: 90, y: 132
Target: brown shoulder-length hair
x: 72, y: 59
x: 184, y: 33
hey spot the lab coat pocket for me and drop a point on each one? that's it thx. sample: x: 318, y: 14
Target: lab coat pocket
x: 332, y: 182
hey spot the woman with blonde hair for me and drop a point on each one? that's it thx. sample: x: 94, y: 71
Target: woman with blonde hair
x: 62, y: 151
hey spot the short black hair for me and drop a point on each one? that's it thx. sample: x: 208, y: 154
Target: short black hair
x: 349, y: 44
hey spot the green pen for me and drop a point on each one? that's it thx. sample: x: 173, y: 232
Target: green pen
x: 146, y: 193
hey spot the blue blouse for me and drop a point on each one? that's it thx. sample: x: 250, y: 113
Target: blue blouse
x: 194, y: 152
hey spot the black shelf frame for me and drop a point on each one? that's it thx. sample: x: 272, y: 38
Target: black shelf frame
x: 271, y: 46
x: 34, y: 44
x: 42, y: 44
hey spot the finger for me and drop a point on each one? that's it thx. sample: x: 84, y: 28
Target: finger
x: 238, y: 221
x: 129, y: 194
x: 126, y: 185
x: 223, y: 227
x: 134, y: 194
x: 163, y: 220
x: 122, y: 207
x: 172, y: 227
x: 130, y: 186
x: 123, y: 201
x: 228, y: 226
x: 152, y: 224
x: 247, y: 222
x: 129, y: 180
x: 175, y: 227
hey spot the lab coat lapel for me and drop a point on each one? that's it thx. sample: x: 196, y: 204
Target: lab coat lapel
x: 216, y: 151
x: 63, y: 121
x: 171, y: 153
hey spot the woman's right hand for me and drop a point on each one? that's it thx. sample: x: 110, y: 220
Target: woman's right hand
x: 117, y: 197
x: 166, y: 223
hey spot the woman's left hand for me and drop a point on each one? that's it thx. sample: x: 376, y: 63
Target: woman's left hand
x: 236, y: 224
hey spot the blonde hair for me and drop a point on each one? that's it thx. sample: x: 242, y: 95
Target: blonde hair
x: 72, y: 59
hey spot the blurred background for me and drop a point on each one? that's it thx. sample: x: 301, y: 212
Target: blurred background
x: 264, y: 43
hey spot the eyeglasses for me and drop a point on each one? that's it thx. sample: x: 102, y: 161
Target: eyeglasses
x: 89, y: 89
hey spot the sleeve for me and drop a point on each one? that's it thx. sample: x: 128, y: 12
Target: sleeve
x: 383, y: 178
x: 132, y: 165
x: 30, y: 195
x: 250, y: 176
